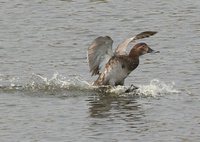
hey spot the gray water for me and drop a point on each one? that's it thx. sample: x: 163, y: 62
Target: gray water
x: 45, y: 91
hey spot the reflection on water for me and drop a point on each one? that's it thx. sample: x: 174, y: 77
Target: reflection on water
x: 109, y: 114
x: 105, y: 106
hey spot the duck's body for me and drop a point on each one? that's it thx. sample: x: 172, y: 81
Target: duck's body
x: 113, y: 68
x: 116, y: 70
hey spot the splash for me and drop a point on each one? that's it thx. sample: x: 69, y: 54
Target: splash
x: 157, y: 88
x: 40, y: 83
x: 58, y: 83
x: 154, y: 89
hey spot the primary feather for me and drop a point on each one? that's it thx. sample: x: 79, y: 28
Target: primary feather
x: 121, y: 49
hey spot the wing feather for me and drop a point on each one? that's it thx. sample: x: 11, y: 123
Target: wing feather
x: 99, y: 54
x: 121, y: 49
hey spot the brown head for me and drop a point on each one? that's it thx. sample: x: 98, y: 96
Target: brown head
x: 141, y: 49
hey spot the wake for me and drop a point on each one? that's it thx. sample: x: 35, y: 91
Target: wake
x: 58, y: 83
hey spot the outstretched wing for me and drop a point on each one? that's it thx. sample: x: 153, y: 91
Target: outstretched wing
x: 121, y: 49
x: 99, y: 54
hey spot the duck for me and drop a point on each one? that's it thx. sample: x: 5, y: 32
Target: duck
x: 113, y: 67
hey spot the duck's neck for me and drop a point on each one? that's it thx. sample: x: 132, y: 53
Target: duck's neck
x: 134, y: 54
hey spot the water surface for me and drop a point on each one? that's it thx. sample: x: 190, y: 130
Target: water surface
x: 45, y: 91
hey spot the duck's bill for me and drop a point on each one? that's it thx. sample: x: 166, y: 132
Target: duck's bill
x: 155, y: 51
x: 152, y: 51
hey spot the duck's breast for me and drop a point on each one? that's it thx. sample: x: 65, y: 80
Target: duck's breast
x: 115, y: 72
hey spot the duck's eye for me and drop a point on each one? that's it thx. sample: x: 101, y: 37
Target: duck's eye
x: 143, y: 47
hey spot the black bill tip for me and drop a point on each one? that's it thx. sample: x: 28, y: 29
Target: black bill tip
x: 152, y: 51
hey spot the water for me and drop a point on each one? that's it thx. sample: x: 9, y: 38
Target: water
x: 45, y: 84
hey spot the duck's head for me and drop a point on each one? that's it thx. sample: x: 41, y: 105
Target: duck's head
x: 141, y: 49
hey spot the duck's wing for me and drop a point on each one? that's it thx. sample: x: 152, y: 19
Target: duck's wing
x: 121, y: 49
x: 99, y: 54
